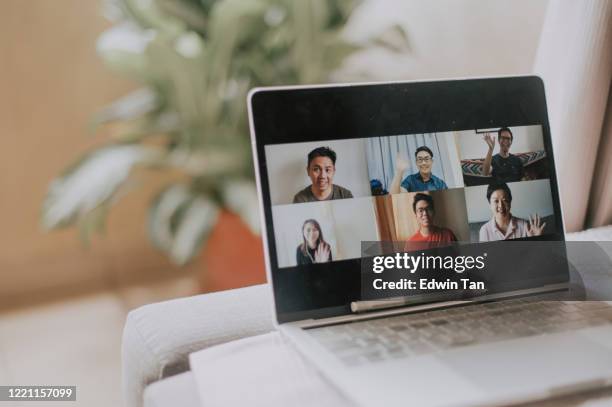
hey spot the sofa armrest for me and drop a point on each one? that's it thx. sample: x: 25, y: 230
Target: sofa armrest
x: 158, y: 338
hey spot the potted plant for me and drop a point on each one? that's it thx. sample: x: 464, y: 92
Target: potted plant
x: 196, y: 61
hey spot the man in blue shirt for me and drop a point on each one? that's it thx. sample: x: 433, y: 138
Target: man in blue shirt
x: 423, y: 180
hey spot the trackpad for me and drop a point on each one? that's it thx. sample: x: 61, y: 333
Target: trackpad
x: 532, y: 365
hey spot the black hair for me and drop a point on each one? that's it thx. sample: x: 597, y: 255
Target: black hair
x: 304, y: 245
x: 499, y: 132
x: 321, y: 152
x: 497, y: 186
x: 422, y: 197
x: 423, y: 148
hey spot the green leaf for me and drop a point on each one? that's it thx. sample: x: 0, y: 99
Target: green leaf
x: 164, y: 207
x: 240, y: 197
x: 211, y: 162
x: 395, y: 39
x: 179, y: 222
x: 183, y: 87
x: 93, y: 221
x: 195, y: 224
x: 190, y: 12
x: 148, y: 15
x: 128, y: 107
x: 122, y: 48
x: 335, y: 51
x: 90, y: 183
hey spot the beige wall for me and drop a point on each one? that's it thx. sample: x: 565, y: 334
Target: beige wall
x: 51, y: 82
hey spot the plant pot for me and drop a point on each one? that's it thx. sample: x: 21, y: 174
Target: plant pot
x: 232, y: 256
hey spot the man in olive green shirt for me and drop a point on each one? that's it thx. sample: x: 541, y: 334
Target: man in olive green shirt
x: 321, y: 168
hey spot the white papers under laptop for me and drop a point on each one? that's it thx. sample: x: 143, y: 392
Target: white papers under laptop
x: 261, y: 371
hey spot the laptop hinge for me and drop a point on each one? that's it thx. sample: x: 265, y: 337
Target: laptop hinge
x: 401, y: 305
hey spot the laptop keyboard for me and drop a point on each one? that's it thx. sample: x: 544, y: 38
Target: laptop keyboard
x: 417, y: 334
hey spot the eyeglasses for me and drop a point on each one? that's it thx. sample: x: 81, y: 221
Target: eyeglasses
x: 421, y: 211
x: 422, y: 160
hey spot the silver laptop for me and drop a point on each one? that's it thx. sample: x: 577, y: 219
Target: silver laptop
x: 415, y: 244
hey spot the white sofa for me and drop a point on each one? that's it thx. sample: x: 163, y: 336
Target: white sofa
x: 158, y: 338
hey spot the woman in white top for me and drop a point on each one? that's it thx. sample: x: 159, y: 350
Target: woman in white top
x: 503, y: 225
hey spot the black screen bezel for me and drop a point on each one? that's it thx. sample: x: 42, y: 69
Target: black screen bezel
x: 320, y: 113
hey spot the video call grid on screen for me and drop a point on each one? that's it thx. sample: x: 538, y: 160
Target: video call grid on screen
x: 362, y: 111
x: 374, y: 183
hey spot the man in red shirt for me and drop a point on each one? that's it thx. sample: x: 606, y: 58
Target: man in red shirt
x: 423, y: 207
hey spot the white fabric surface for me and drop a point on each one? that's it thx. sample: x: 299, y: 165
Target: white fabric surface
x: 158, y: 338
x: 261, y: 371
x: 175, y: 391
x: 602, y: 234
x: 180, y: 391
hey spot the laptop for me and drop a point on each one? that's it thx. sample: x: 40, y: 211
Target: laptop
x: 362, y: 186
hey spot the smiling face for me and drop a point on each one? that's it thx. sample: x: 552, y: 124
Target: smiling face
x: 424, y: 214
x: 321, y: 173
x: 311, y: 234
x: 500, y: 203
x: 424, y: 162
x: 505, y: 141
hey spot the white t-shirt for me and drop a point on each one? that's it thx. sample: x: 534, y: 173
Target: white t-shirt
x: 490, y: 232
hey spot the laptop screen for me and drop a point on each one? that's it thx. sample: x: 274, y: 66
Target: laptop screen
x: 423, y: 165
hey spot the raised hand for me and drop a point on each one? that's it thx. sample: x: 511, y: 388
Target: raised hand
x: 401, y: 164
x: 322, y: 253
x: 490, y: 140
x: 535, y: 226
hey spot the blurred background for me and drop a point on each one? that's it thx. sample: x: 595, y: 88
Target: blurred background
x: 125, y: 165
